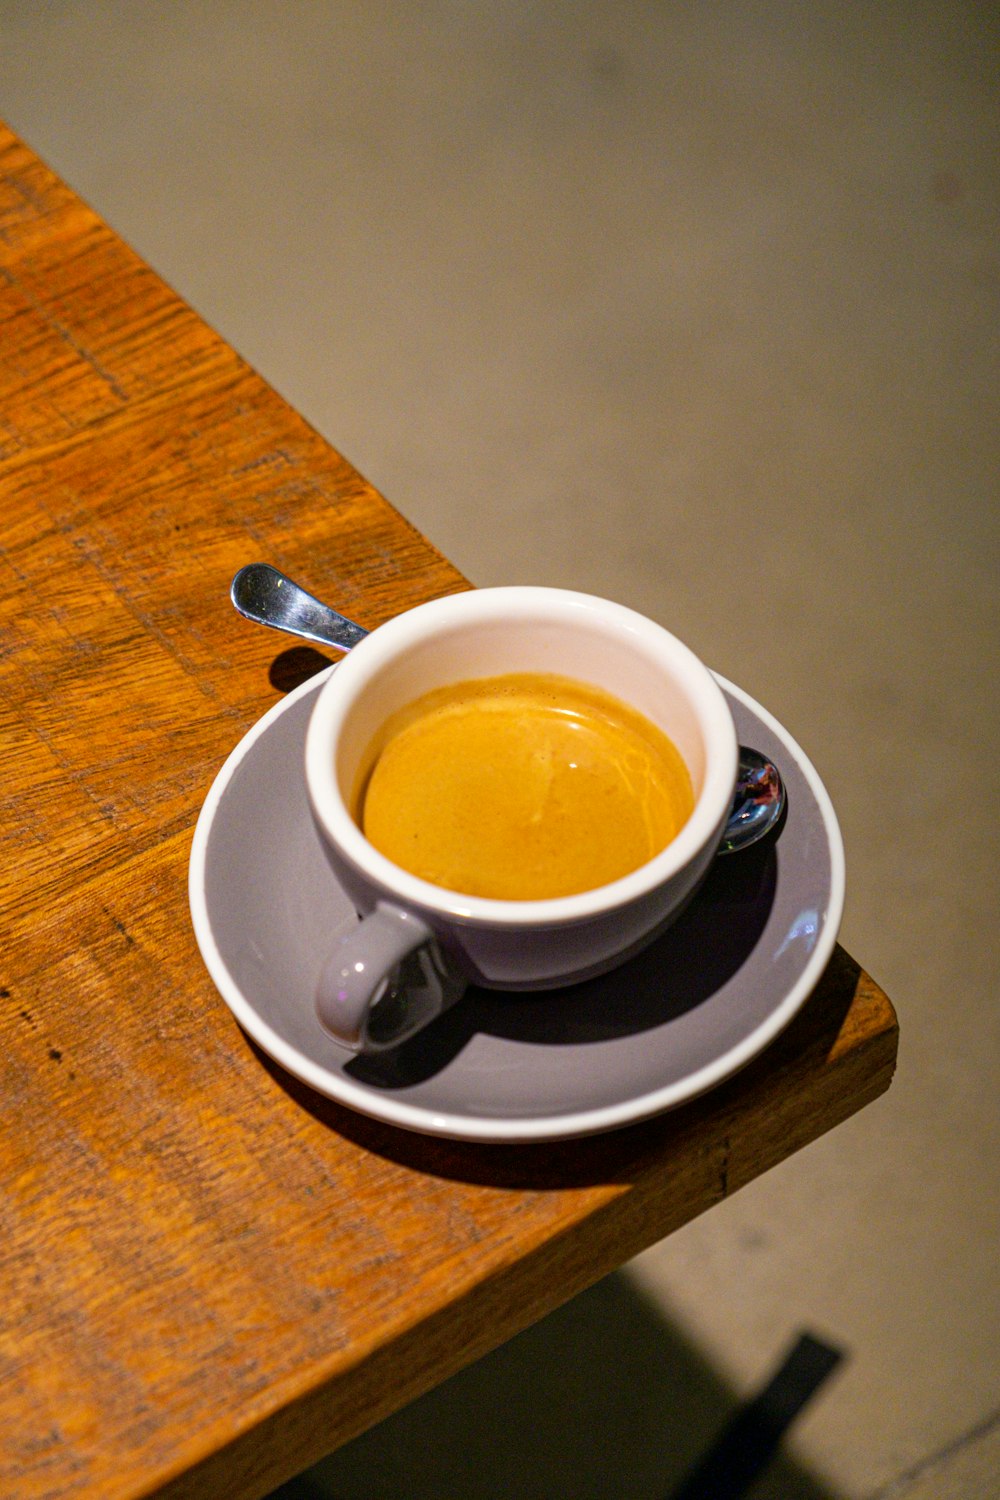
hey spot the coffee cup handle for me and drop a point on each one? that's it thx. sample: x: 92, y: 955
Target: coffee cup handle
x: 385, y: 981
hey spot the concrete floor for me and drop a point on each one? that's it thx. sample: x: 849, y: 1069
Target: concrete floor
x: 695, y: 306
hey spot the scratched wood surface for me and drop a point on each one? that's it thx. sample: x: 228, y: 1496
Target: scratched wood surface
x: 210, y: 1276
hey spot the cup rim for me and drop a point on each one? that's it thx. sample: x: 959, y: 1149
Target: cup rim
x: 507, y: 602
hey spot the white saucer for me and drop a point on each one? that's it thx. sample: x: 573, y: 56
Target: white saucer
x: 698, y: 1004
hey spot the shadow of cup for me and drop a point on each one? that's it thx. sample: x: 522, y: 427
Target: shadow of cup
x: 680, y: 969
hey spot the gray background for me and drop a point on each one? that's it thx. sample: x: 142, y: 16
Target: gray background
x: 695, y: 306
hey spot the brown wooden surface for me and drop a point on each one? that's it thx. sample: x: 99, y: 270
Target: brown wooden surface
x: 211, y: 1276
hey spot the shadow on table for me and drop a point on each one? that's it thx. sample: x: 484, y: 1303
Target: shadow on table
x: 602, y: 1400
x: 294, y: 666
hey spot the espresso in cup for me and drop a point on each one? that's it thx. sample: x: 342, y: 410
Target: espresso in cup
x: 478, y: 677
x: 521, y: 787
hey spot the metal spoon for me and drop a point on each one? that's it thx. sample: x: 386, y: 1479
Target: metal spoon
x: 758, y: 802
x: 267, y: 597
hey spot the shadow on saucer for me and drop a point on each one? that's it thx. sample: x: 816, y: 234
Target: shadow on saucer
x: 692, y: 960
x: 611, y: 1156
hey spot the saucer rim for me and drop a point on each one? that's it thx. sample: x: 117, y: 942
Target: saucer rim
x: 481, y: 1129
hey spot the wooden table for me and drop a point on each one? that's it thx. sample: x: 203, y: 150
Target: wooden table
x: 210, y: 1276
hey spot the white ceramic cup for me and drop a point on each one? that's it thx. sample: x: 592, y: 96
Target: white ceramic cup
x: 418, y: 945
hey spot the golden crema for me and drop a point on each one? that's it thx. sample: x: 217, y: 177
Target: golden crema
x: 521, y: 787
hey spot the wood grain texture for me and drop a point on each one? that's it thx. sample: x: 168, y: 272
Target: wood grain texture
x: 212, y: 1276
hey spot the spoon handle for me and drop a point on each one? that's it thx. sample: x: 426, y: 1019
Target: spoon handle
x: 266, y: 596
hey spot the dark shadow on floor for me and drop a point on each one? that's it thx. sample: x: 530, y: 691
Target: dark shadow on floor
x: 602, y: 1400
